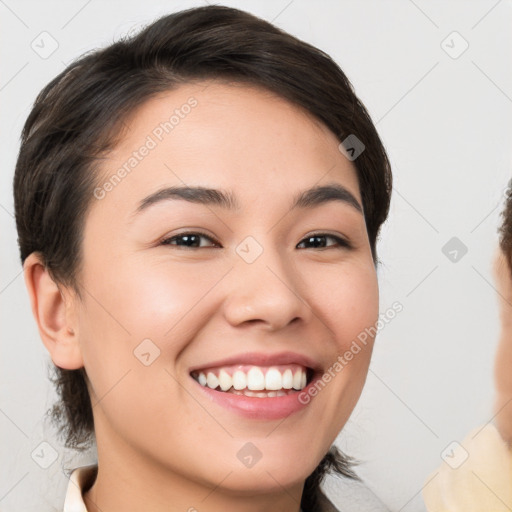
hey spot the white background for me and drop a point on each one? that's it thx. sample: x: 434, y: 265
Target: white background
x: 447, y: 126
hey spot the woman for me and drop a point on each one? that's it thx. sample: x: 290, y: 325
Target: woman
x: 198, y: 208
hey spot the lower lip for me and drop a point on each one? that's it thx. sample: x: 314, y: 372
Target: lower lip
x: 271, y: 408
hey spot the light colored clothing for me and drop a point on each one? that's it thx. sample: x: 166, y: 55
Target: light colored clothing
x: 80, y: 480
x: 483, y: 482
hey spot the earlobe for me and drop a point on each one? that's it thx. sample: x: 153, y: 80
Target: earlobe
x: 52, y: 314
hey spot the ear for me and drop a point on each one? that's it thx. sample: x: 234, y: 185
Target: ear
x: 53, y: 312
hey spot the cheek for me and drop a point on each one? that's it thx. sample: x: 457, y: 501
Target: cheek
x: 154, y: 299
x: 135, y: 308
x: 347, y: 303
x: 346, y: 300
x: 141, y: 309
x: 169, y: 302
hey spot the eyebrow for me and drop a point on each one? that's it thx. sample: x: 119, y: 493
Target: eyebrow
x: 225, y: 199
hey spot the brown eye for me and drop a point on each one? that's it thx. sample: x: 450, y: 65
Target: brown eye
x: 189, y: 240
x: 319, y: 241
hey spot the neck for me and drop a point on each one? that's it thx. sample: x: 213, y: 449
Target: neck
x: 126, y: 481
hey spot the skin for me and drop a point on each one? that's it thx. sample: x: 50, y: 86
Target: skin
x: 161, y: 444
x: 502, y: 374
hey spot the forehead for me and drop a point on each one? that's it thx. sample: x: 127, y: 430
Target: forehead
x: 234, y: 136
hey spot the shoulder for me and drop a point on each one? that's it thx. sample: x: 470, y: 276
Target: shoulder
x: 476, y: 475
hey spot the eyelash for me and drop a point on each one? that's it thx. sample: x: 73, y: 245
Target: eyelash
x: 340, y: 242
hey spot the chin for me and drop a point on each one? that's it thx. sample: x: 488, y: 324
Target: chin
x: 270, y: 475
x: 266, y: 480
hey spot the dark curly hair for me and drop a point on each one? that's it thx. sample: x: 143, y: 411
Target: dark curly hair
x: 505, y: 229
x: 75, y: 122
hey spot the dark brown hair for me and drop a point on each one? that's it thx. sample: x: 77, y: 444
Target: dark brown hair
x: 76, y: 118
x: 505, y: 230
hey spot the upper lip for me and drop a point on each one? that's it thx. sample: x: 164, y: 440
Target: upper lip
x: 262, y: 359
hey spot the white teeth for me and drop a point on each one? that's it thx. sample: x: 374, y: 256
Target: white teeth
x: 297, y: 380
x: 224, y: 380
x: 255, y: 379
x: 273, y: 379
x: 288, y: 379
x: 260, y: 394
x: 211, y: 380
x: 239, y: 380
x: 273, y: 382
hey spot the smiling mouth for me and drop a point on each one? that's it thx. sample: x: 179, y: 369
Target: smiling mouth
x: 256, y: 381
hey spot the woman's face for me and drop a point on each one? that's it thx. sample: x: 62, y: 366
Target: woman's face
x: 182, y: 283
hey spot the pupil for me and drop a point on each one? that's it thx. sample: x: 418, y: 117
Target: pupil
x: 317, y: 241
x: 187, y: 240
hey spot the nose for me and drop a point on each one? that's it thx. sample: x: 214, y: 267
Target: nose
x: 266, y: 291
